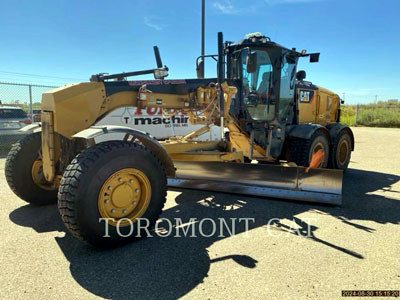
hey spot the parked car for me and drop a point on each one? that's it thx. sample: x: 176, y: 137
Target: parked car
x: 9, y: 133
x: 12, y: 118
x: 36, y: 115
x: 10, y: 113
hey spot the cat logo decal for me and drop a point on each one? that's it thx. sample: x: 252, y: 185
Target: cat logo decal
x: 306, y: 96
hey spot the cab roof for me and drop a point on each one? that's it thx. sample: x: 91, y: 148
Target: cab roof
x: 257, y: 39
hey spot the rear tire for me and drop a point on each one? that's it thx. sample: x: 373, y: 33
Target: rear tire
x: 301, y: 150
x: 18, y: 171
x: 341, y: 151
x: 85, y: 187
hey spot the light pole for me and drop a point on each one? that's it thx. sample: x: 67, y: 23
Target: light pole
x: 200, y: 65
x: 203, y: 26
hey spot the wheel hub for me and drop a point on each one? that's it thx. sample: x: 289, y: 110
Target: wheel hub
x: 121, y: 195
x: 124, y: 195
x: 317, y: 147
x: 38, y: 176
x: 343, y: 152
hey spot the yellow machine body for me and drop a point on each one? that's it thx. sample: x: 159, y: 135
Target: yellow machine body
x: 322, y: 108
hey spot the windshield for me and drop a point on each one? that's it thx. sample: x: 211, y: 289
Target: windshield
x: 258, y: 88
x: 286, y: 95
x: 12, y: 113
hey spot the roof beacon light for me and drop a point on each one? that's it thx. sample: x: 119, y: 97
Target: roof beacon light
x: 254, y: 35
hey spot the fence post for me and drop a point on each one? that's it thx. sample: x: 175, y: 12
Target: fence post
x: 30, y: 102
x: 356, y: 114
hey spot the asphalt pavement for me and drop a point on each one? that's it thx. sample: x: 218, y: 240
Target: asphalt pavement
x: 292, y: 250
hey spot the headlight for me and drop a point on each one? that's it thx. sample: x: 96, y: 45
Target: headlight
x: 160, y: 73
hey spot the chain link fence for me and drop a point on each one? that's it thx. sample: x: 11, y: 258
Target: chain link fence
x: 19, y: 106
x: 26, y: 96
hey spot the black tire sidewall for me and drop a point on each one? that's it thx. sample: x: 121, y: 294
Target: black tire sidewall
x: 19, y: 169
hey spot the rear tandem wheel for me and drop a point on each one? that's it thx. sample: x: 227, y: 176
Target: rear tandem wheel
x: 301, y: 150
x: 341, y: 151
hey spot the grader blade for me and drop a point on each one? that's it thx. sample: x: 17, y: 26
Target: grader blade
x: 291, y: 183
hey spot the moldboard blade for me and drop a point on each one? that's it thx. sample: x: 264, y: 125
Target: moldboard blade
x: 291, y: 183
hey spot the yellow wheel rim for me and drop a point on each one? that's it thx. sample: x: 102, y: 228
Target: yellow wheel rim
x: 317, y: 147
x: 124, y: 196
x: 38, y: 176
x: 343, y: 152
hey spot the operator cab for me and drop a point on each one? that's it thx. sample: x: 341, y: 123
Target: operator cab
x: 264, y: 73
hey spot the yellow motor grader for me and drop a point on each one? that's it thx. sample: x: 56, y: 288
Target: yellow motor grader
x: 272, y: 122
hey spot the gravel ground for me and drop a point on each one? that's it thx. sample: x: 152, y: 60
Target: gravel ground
x: 355, y: 246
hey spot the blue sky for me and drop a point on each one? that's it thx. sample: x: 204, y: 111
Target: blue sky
x: 359, y: 40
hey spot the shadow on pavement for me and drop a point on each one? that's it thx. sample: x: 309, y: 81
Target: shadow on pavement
x: 169, y: 267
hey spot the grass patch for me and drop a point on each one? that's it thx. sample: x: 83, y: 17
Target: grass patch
x: 381, y: 114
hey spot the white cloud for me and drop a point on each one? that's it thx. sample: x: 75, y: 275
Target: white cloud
x: 225, y: 7
x: 273, y: 2
x: 150, y: 21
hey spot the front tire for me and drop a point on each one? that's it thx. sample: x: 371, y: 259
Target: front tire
x: 23, y: 165
x: 122, y: 181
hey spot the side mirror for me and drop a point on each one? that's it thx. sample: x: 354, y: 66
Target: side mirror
x: 301, y: 75
x: 200, y: 69
x: 251, y: 62
x: 314, y: 57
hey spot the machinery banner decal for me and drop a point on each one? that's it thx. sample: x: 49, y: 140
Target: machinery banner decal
x: 306, y: 96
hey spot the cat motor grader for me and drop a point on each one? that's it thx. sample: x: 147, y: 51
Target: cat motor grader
x: 267, y: 114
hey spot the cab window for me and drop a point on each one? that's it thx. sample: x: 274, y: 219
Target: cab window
x: 258, y: 88
x: 288, y: 72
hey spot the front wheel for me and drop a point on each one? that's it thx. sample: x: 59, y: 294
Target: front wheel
x: 24, y: 172
x: 109, y: 189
